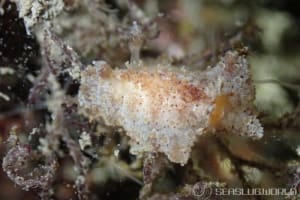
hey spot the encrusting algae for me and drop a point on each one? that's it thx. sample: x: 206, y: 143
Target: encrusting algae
x: 164, y: 109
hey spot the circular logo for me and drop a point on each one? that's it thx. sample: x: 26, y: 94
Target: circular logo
x: 202, y: 191
x: 293, y: 192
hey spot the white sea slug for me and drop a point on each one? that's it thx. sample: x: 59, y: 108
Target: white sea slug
x: 164, y: 109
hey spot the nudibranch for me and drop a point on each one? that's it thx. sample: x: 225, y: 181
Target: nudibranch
x: 165, y: 109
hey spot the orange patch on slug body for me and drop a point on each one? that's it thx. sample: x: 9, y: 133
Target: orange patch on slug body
x: 166, y: 83
x: 191, y: 93
x: 106, y: 71
x: 165, y: 90
x: 222, y: 103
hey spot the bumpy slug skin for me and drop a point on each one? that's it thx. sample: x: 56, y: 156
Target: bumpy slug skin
x: 164, y: 109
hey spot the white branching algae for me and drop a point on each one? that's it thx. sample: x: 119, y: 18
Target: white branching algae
x: 34, y: 11
x: 164, y: 109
